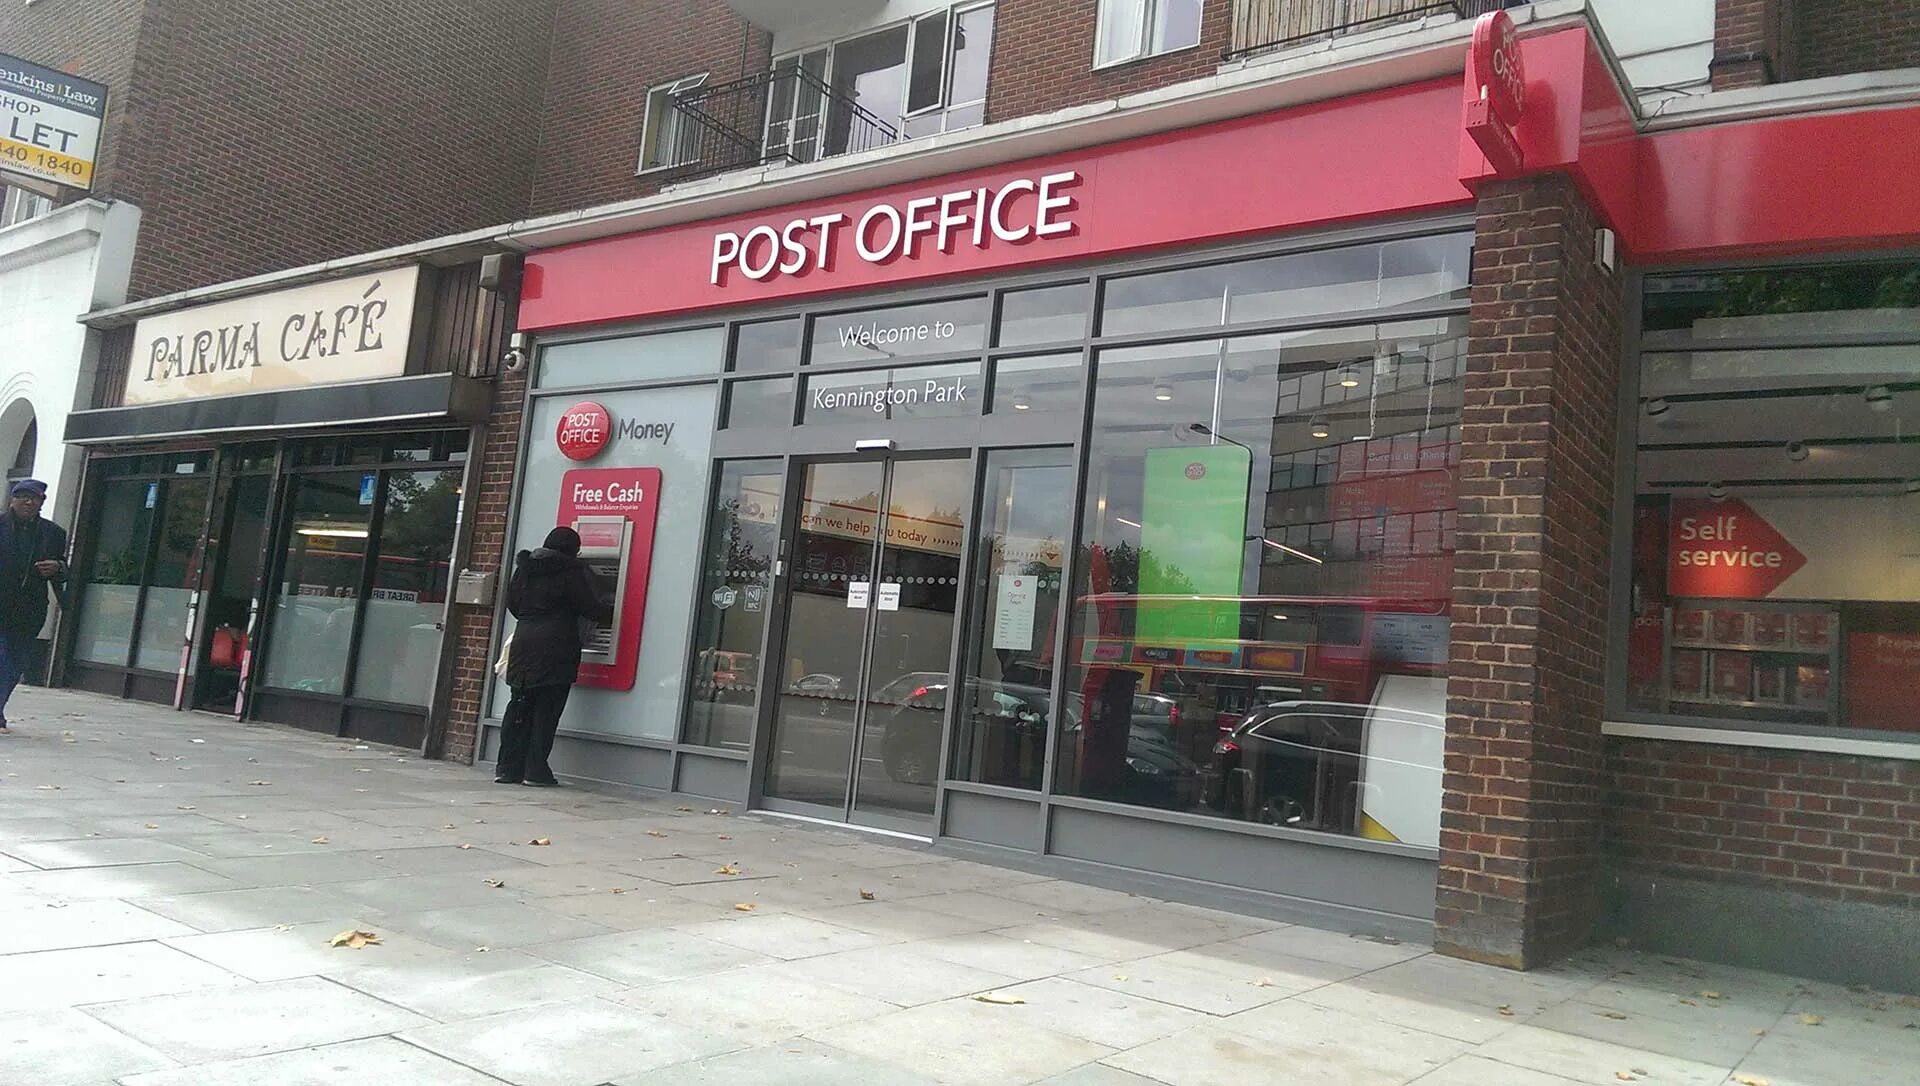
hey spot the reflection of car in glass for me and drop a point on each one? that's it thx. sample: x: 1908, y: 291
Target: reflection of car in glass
x: 725, y: 676
x: 1158, y: 774
x: 1301, y: 763
x: 818, y: 685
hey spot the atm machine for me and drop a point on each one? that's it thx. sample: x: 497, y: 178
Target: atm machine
x: 605, y: 542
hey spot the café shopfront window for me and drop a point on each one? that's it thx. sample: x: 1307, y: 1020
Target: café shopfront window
x: 1774, y: 583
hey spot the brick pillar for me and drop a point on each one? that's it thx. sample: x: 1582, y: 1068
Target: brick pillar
x: 1751, y: 43
x: 1521, y: 818
x: 473, y: 626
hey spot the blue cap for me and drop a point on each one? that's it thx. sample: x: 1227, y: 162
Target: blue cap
x: 28, y: 486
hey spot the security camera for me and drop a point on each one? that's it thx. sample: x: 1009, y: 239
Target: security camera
x: 515, y: 359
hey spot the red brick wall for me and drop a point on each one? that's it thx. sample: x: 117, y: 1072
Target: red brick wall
x: 1043, y: 57
x: 1748, y: 37
x: 1520, y: 821
x: 1834, y: 37
x: 473, y: 626
x: 606, y: 53
x: 261, y: 136
x: 1827, y: 825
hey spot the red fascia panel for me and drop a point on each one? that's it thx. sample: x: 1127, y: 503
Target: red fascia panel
x: 1780, y: 187
x: 1382, y: 154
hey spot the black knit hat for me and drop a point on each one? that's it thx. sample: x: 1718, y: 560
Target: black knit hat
x: 563, y: 539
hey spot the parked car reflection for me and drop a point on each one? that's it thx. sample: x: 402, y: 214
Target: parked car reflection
x: 1016, y: 719
x: 1326, y: 765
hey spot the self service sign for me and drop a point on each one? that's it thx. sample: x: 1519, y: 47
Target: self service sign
x: 49, y: 123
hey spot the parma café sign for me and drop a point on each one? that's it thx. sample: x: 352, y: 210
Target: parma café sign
x: 356, y: 329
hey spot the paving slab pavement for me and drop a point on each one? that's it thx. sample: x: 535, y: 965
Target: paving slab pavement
x: 171, y: 883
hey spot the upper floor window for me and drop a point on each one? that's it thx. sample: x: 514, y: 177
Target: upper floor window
x: 918, y: 78
x: 1130, y: 29
x: 666, y: 139
x: 19, y: 205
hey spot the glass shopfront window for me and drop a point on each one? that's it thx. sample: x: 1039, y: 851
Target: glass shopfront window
x: 110, y: 576
x: 1259, y: 616
x: 400, y: 630
x: 314, y: 603
x: 1776, y: 510
x: 736, y: 587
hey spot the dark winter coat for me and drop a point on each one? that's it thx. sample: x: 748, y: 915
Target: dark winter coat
x: 550, y: 593
x: 23, y: 591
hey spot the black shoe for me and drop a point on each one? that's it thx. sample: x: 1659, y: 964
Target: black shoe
x: 549, y: 783
x: 506, y: 780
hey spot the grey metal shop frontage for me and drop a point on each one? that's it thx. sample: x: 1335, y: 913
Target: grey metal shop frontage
x: 271, y: 512
x: 1137, y: 571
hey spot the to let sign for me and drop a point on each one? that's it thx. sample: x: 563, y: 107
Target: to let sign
x: 1725, y: 550
x: 49, y: 123
x: 584, y: 430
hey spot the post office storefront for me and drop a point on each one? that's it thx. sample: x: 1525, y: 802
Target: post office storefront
x: 1281, y: 511
x: 1137, y: 566
x: 272, y: 505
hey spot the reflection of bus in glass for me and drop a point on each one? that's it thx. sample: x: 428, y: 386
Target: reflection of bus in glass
x: 1361, y: 679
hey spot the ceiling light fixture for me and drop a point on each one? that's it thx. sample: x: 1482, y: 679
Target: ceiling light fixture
x: 1717, y: 491
x: 1163, y: 392
x: 1657, y: 407
x: 1021, y: 403
x: 1879, y: 398
x: 1318, y: 428
x: 1348, y: 378
x: 1797, y: 451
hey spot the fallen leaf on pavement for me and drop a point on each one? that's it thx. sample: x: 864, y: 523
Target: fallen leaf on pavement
x: 717, y: 811
x: 1688, y: 1002
x: 240, y: 818
x: 1120, y: 976
x: 1710, y: 994
x: 258, y: 784
x: 683, y: 808
x: 283, y: 927
x: 1615, y: 1015
x: 1263, y: 982
x: 541, y: 841
x: 186, y: 807
x: 67, y: 737
x: 726, y: 869
x: 496, y: 883
x: 1506, y: 1011
x: 743, y: 907
x: 1001, y: 998
x: 655, y: 833
x: 354, y: 940
x: 866, y: 895
x: 726, y: 837
x: 152, y: 826
x: 1624, y: 1077
x: 1811, y: 1019
x: 196, y: 740
x: 480, y: 950
x: 1751, y: 1080
x: 618, y: 890
x: 321, y: 840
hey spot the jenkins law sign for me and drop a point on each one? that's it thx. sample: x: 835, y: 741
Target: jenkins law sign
x: 344, y: 330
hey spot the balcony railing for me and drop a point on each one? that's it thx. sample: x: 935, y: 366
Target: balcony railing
x: 1263, y: 26
x: 785, y: 114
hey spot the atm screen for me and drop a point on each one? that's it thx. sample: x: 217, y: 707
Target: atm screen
x: 604, y: 545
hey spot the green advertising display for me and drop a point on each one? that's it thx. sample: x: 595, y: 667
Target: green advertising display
x: 1192, y: 541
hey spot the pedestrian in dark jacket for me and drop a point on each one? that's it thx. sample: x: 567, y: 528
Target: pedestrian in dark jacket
x: 551, y: 592
x: 33, y: 559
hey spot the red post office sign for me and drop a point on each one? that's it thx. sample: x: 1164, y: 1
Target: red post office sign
x: 1725, y: 550
x: 1495, y: 65
x: 584, y: 429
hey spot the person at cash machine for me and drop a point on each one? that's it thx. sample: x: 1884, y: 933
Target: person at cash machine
x: 551, y: 595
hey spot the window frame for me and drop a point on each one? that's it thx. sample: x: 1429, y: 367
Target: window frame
x: 952, y: 13
x: 1143, y: 49
x: 650, y: 125
x: 1618, y: 718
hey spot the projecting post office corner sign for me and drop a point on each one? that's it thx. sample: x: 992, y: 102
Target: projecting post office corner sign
x: 356, y: 329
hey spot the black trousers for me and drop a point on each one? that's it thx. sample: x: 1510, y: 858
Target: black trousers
x: 527, y: 730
